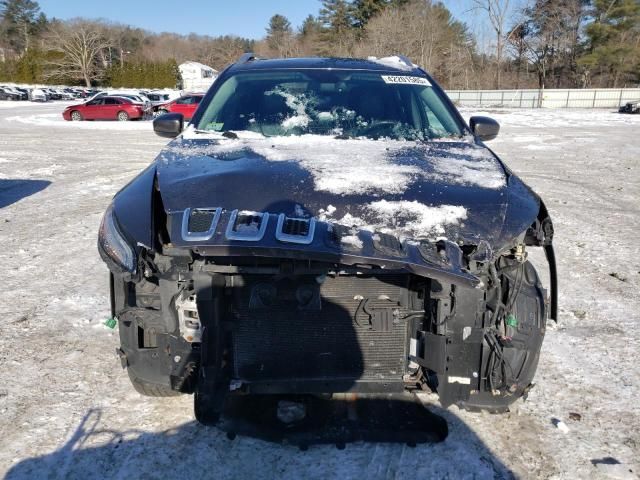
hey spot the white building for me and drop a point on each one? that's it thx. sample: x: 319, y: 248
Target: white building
x: 196, y: 76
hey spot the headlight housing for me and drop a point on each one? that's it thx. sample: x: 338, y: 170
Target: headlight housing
x: 112, y: 244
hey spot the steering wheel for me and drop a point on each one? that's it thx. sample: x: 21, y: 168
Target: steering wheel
x: 377, y: 129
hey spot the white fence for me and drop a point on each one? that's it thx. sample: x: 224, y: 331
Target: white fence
x: 551, y: 98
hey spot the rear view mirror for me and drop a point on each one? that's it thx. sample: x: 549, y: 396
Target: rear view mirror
x: 484, y: 128
x: 169, y: 125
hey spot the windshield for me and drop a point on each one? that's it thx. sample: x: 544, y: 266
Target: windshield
x: 324, y: 102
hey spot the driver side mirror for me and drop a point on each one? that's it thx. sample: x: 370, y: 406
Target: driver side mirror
x: 484, y: 128
x: 169, y: 125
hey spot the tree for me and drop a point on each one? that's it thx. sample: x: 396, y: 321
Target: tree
x: 364, y: 10
x: 309, y: 37
x: 80, y: 48
x: 548, y: 37
x: 426, y: 33
x: 497, y: 11
x: 337, y: 21
x: 280, y: 35
x: 20, y: 20
x: 614, y: 41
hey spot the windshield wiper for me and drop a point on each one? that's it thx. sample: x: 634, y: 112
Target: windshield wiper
x: 226, y: 134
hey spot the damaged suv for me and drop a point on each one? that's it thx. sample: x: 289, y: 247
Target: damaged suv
x: 324, y: 226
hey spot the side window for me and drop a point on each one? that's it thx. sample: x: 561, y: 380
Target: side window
x: 111, y: 101
x: 97, y: 101
x: 183, y: 100
x: 197, y: 100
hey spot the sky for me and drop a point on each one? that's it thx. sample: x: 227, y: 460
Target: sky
x: 245, y: 18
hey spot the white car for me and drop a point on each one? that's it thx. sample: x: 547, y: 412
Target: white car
x: 38, y: 95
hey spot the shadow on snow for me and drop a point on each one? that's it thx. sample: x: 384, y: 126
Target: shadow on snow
x: 194, y: 451
x: 13, y: 190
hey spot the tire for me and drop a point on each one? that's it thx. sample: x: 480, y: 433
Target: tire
x: 122, y: 116
x: 204, y: 409
x: 151, y: 389
x: 76, y: 116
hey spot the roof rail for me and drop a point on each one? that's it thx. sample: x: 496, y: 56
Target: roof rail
x: 247, y: 57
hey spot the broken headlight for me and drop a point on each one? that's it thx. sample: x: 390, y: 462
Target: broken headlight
x: 113, y: 245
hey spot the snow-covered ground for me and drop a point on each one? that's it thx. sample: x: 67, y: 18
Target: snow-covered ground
x: 67, y: 410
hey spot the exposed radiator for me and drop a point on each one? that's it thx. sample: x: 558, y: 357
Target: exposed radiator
x: 300, y: 329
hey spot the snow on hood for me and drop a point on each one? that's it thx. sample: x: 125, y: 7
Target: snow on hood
x: 404, y: 219
x: 357, y: 166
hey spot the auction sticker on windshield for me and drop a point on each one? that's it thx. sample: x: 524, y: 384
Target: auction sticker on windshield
x: 406, y: 80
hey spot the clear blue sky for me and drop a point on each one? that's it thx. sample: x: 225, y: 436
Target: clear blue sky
x: 246, y: 18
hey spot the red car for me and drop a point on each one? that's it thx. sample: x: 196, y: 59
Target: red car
x: 185, y: 105
x: 104, y: 108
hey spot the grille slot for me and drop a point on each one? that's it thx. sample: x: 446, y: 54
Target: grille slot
x: 199, y: 224
x: 295, y: 230
x: 387, y: 244
x: 247, y: 226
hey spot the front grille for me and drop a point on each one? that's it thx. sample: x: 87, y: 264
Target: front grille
x: 296, y: 226
x: 295, y: 230
x: 200, y: 220
x: 199, y: 224
x: 247, y: 226
x: 281, y: 337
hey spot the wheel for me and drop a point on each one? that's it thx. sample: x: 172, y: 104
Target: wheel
x: 76, y: 116
x: 204, y: 408
x: 151, y: 389
x: 123, y: 116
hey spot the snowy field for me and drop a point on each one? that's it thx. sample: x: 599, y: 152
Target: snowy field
x: 67, y: 409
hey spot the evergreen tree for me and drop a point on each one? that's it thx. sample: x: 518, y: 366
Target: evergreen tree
x: 363, y: 10
x: 338, y: 25
x: 279, y: 35
x: 614, y: 41
x: 20, y: 20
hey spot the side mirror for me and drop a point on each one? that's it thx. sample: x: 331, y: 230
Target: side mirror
x: 169, y: 125
x: 484, y: 128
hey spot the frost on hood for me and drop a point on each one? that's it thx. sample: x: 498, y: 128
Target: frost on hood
x: 358, y: 166
x: 403, y: 219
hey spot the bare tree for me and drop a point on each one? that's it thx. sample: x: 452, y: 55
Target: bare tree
x: 78, y: 49
x: 424, y: 31
x: 498, y: 13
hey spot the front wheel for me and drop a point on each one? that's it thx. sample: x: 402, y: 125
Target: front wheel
x: 123, y: 116
x: 206, y: 408
x: 76, y: 116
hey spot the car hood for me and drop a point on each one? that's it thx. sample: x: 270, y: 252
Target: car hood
x: 453, y: 189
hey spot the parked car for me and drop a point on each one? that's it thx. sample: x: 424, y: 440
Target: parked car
x: 105, y: 108
x: 38, y: 95
x: 136, y: 98
x: 185, y: 105
x: 159, y: 99
x: 7, y: 93
x: 322, y: 226
x: 630, y: 107
x: 24, y: 92
x: 52, y: 93
x: 16, y: 91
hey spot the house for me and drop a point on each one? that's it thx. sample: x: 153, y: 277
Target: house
x: 196, y: 76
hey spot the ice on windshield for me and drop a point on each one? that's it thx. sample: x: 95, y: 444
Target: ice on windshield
x: 344, y: 104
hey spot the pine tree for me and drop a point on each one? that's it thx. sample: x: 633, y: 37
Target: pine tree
x: 279, y: 35
x: 20, y: 20
x: 363, y: 10
x: 338, y: 25
x: 614, y: 41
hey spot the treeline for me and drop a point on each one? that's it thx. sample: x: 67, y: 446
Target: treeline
x: 548, y: 44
